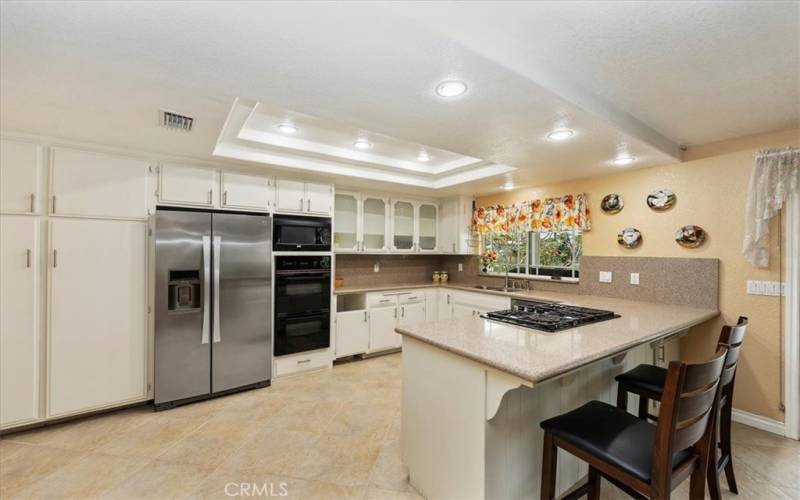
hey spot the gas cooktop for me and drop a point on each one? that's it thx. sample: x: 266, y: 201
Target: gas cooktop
x: 548, y: 316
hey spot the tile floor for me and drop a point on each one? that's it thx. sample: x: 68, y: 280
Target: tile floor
x: 330, y: 434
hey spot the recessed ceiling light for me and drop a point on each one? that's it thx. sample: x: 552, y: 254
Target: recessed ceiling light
x: 623, y: 160
x: 287, y: 128
x: 508, y: 186
x: 560, y: 134
x: 423, y: 156
x: 362, y: 144
x: 451, y: 88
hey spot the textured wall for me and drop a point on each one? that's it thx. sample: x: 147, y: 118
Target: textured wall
x: 711, y: 188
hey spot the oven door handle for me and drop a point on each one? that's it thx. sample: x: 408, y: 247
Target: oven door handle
x: 302, y: 316
x: 296, y: 274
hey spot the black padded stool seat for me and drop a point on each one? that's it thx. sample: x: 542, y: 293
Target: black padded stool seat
x: 648, y: 377
x: 612, y: 435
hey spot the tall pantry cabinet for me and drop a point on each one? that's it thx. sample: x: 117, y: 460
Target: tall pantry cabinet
x: 73, y: 297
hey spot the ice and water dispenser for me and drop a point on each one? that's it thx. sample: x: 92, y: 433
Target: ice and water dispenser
x: 184, y: 291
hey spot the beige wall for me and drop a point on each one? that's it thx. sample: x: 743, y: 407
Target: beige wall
x: 711, y: 187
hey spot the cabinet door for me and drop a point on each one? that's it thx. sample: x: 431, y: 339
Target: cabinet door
x: 403, y: 226
x: 445, y: 305
x: 449, y: 226
x: 20, y: 177
x: 411, y: 314
x: 19, y: 320
x: 319, y: 198
x: 427, y: 224
x: 352, y: 333
x: 187, y: 185
x: 290, y: 195
x: 251, y: 192
x: 463, y: 310
x: 431, y: 304
x: 98, y: 329
x: 382, y: 336
x: 347, y: 222
x: 98, y: 184
x: 375, y: 224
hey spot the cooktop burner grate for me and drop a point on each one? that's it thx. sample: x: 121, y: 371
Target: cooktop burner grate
x: 548, y: 316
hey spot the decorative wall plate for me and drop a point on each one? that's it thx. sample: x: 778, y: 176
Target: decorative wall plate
x: 661, y: 199
x: 629, y: 237
x: 612, y: 203
x: 690, y: 236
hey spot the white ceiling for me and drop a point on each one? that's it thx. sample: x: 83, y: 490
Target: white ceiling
x: 646, y: 76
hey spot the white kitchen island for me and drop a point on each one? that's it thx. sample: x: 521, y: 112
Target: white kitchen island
x: 474, y: 392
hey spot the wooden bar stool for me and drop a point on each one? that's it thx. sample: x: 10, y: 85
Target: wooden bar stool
x: 648, y: 382
x: 644, y: 460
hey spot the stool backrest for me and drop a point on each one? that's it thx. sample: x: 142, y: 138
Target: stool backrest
x: 688, y: 404
x: 732, y: 337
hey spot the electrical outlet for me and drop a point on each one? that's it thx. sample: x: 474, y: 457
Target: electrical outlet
x: 605, y: 276
x: 460, y: 266
x: 634, y: 278
x: 377, y: 267
x: 769, y: 288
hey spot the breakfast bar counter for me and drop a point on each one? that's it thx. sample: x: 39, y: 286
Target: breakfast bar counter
x: 475, y: 390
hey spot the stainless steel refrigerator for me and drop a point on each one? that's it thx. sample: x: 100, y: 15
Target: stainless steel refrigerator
x: 212, y: 304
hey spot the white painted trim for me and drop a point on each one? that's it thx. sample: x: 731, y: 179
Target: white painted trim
x: 759, y: 422
x: 791, y: 337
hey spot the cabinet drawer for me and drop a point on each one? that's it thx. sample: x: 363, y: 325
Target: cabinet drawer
x: 381, y: 300
x: 411, y: 298
x: 286, y: 365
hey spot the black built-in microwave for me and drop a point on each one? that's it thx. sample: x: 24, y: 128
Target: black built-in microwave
x: 301, y: 234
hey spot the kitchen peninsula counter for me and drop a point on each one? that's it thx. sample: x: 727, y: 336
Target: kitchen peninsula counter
x: 475, y: 390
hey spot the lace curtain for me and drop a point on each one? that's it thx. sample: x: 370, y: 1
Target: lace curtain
x: 776, y: 174
x: 550, y: 215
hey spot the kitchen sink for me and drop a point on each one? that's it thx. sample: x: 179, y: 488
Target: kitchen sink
x: 492, y: 288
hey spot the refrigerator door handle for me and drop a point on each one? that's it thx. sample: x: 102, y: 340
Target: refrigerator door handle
x: 217, y: 258
x: 206, y: 287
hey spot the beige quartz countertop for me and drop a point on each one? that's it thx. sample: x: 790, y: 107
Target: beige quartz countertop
x: 537, y: 356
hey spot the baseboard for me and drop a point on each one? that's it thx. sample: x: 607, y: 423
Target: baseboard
x: 759, y: 422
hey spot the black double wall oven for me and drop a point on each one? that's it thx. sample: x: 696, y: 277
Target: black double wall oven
x: 302, y: 303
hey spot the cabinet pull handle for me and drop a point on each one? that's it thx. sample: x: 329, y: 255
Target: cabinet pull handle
x: 224, y: 197
x: 661, y: 353
x: 55, y: 258
x: 365, y: 316
x: 395, y: 312
x: 54, y: 203
x: 33, y: 203
x: 454, y: 248
x: 210, y: 196
x: 448, y: 299
x: 308, y: 203
x: 301, y: 361
x: 403, y: 312
x: 301, y: 204
x: 28, y: 258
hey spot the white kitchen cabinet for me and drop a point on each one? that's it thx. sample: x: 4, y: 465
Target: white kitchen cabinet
x: 303, y: 197
x: 375, y: 224
x: 21, y: 169
x: 382, y: 321
x: 20, y: 293
x: 463, y: 311
x: 97, y: 315
x: 85, y: 183
x: 455, y: 221
x: 427, y: 227
x: 319, y: 198
x: 411, y: 314
x: 445, y: 306
x: 352, y: 333
x: 347, y: 222
x: 403, y: 226
x: 431, y: 304
x: 187, y: 185
x: 247, y: 192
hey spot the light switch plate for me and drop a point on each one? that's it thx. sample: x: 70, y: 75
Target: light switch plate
x: 460, y: 266
x: 376, y: 267
x: 769, y: 288
x: 634, y: 278
x: 605, y: 276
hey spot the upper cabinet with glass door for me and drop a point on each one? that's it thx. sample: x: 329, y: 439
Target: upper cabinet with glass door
x: 403, y: 226
x: 347, y: 222
x: 427, y: 227
x: 375, y: 224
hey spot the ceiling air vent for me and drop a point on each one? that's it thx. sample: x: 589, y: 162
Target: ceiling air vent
x: 175, y: 121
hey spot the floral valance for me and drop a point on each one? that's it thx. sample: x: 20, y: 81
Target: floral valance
x: 570, y: 212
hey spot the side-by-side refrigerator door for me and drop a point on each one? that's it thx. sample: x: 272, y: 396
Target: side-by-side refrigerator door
x: 182, y: 305
x: 242, y: 336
